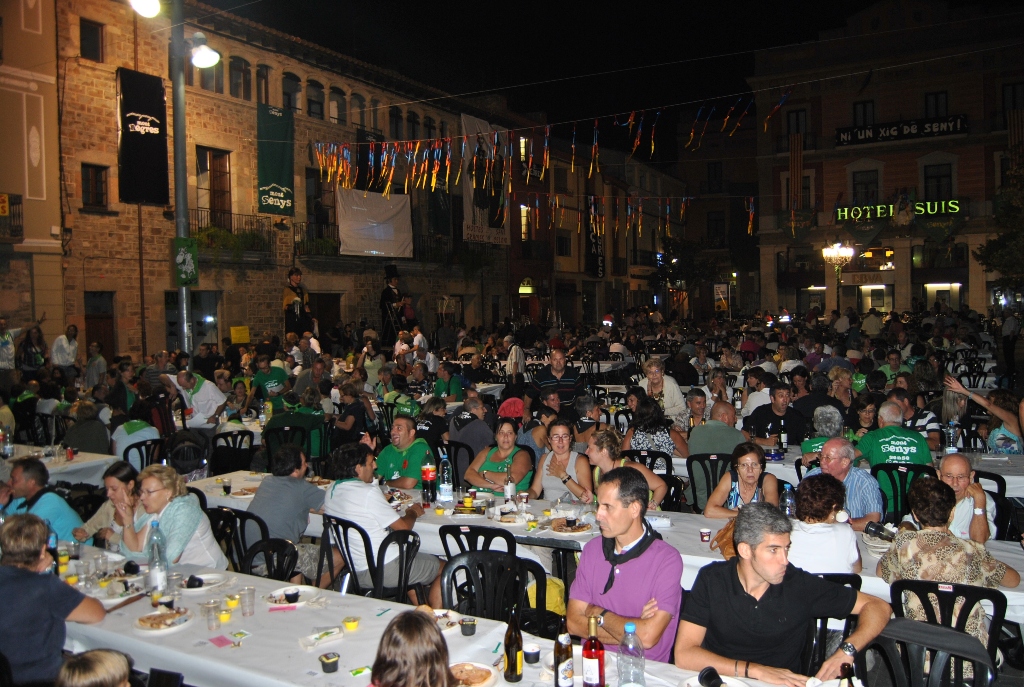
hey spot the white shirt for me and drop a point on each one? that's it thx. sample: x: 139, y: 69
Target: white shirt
x: 430, y: 360
x: 202, y: 549
x: 365, y: 505
x: 823, y: 547
x: 755, y: 399
x: 421, y: 341
x: 64, y: 353
x: 205, y: 401
x: 964, y: 512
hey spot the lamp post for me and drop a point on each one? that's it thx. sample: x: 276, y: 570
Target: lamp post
x: 202, y: 56
x: 838, y: 256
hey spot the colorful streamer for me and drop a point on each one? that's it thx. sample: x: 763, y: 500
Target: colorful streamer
x: 693, y: 127
x: 778, y: 106
x: 740, y: 120
x: 725, y: 122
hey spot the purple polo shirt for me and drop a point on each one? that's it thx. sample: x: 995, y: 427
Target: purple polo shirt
x: 654, y: 575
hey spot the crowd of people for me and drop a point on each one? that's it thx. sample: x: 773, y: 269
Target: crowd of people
x: 849, y: 390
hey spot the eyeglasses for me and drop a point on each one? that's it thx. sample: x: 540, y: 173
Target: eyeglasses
x: 559, y: 437
x: 869, y: 411
x: 956, y: 478
x: 152, y: 491
x: 749, y: 466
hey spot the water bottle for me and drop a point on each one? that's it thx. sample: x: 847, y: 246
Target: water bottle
x: 444, y: 487
x: 156, y: 545
x: 262, y: 419
x: 787, y: 502
x: 631, y: 659
x: 950, y: 446
x: 8, y: 447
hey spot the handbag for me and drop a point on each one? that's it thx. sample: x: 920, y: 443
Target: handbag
x: 723, y: 540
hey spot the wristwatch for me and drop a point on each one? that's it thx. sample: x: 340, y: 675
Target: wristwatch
x: 979, y: 511
x: 848, y: 649
x: 569, y: 477
x: 600, y: 618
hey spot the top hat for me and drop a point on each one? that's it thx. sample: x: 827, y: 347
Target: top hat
x: 390, y: 272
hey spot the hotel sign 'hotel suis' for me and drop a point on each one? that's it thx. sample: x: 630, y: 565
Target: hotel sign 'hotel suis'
x: 900, y: 131
x: 866, y: 213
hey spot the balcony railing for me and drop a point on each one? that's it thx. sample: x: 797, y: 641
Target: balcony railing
x: 432, y: 248
x: 810, y: 142
x: 217, y: 231
x: 12, y: 227
x: 647, y: 258
x: 314, y: 239
x: 535, y: 250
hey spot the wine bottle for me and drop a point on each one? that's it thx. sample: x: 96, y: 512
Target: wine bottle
x: 563, y: 656
x: 593, y: 657
x: 513, y: 649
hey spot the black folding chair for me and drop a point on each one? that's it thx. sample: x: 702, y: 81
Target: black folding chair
x: 474, y: 538
x: 705, y: 471
x: 460, y: 455
x: 815, y: 647
x: 279, y: 557
x: 658, y: 462
x: 276, y: 437
x: 499, y: 579
x: 148, y: 452
x: 232, y: 451
x: 898, y: 477
x: 951, y: 605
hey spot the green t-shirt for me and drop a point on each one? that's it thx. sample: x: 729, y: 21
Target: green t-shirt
x: 812, y: 445
x: 860, y: 382
x: 890, y: 375
x: 452, y: 386
x: 275, y: 381
x: 503, y: 466
x: 316, y: 425
x: 894, y: 444
x: 392, y: 463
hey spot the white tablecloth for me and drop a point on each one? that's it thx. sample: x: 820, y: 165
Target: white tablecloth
x: 272, y: 657
x: 86, y: 467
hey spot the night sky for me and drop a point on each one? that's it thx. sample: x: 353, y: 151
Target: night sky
x: 465, y: 47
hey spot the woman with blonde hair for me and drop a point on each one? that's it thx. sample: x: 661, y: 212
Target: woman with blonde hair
x: 603, y: 450
x: 1003, y: 435
x: 842, y: 386
x: 185, y: 527
x: 96, y: 668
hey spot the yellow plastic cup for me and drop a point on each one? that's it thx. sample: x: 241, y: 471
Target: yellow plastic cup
x: 224, y: 615
x: 439, y: 511
x: 467, y: 501
x: 63, y: 557
x: 351, y: 623
x: 62, y: 567
x: 71, y: 579
x: 231, y: 600
x: 103, y: 582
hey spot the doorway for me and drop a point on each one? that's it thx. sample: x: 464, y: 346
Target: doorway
x: 326, y: 308
x: 99, y: 322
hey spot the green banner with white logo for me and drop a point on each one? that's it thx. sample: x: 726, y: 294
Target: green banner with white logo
x: 184, y: 253
x: 275, y: 131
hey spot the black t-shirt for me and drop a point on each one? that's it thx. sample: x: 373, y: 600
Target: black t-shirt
x: 764, y: 422
x: 770, y: 630
x: 32, y: 633
x: 430, y: 429
x: 357, y: 410
x: 812, y: 401
x: 476, y: 375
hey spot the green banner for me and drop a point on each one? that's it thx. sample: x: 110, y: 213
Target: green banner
x: 186, y: 262
x: 275, y: 131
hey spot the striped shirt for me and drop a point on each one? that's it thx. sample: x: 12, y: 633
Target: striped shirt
x: 923, y: 422
x: 862, y: 493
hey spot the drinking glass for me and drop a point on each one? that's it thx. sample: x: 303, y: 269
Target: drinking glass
x: 247, y: 600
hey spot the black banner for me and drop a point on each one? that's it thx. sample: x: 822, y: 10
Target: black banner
x: 899, y: 131
x: 141, y: 138
x: 594, y: 260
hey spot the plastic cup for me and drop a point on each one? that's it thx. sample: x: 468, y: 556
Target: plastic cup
x: 224, y: 615
x: 174, y: 581
x: 247, y: 600
x: 231, y: 600
x: 705, y: 534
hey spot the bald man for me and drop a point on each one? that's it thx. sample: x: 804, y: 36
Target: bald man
x: 719, y: 434
x: 975, y: 512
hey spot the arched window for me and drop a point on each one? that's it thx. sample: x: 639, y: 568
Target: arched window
x: 315, y: 99
x: 395, y: 119
x: 412, y: 121
x: 374, y: 109
x: 240, y: 78
x: 338, y: 106
x: 428, y: 127
x: 212, y: 78
x: 444, y: 129
x: 291, y: 91
x: 263, y: 84
x: 359, y: 109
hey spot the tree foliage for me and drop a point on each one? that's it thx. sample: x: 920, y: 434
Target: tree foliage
x: 1005, y: 252
x: 684, y: 261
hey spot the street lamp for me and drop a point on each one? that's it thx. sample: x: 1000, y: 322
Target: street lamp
x: 202, y: 56
x: 838, y: 256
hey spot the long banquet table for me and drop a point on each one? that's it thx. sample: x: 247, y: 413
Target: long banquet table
x: 85, y: 467
x: 683, y: 533
x: 272, y: 657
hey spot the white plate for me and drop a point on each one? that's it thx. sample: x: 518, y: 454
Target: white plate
x: 306, y: 593
x: 574, y: 534
x: 189, y: 617
x: 815, y: 682
x: 210, y: 581
x: 452, y: 615
x: 241, y: 497
x: 486, y: 683
x: 729, y: 681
